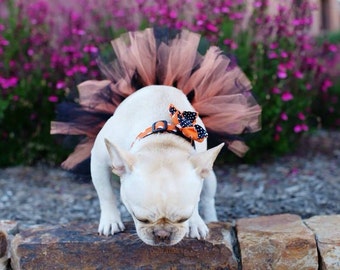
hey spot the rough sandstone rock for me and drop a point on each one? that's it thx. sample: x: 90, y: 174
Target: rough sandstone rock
x: 276, y: 242
x: 79, y: 247
x: 327, y: 232
x: 9, y: 226
x: 7, y: 229
x: 3, y: 250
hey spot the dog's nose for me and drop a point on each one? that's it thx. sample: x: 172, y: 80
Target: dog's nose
x: 162, y: 236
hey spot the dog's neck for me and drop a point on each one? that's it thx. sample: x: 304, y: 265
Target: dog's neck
x: 163, y: 141
x: 162, y: 126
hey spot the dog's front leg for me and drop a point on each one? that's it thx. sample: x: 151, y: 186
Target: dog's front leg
x: 197, y: 227
x: 110, y: 220
x: 207, y: 200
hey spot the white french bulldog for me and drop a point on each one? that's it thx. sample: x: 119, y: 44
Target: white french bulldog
x: 162, y: 175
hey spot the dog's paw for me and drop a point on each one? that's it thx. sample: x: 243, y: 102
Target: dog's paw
x: 197, y: 228
x: 109, y: 226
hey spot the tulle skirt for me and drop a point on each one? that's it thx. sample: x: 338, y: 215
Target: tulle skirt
x: 216, y: 87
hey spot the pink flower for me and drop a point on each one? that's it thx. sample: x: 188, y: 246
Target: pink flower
x: 278, y: 128
x: 200, y: 5
x: 259, y: 21
x: 282, y: 74
x: 236, y: 16
x: 8, y: 83
x: 298, y: 74
x: 272, y: 55
x: 301, y: 116
x: 4, y: 42
x: 225, y: 9
x: 211, y: 27
x: 273, y: 45
x: 90, y: 49
x: 173, y: 14
x: 216, y: 10
x: 69, y: 72
x: 121, y: 13
x: 231, y: 43
x: 300, y: 128
x: 53, y: 99
x: 284, y: 116
x: 28, y: 66
x: 83, y: 69
x: 296, y: 22
x: 257, y: 4
x: 179, y: 25
x: 307, y: 46
x: 69, y: 49
x: 287, y: 96
x: 282, y: 9
x: 284, y: 54
x: 311, y: 61
x: 60, y: 85
x: 326, y: 84
x: 79, y: 32
x: 30, y: 52
x: 297, y: 129
x: 276, y: 90
x: 12, y: 63
x: 332, y: 48
x: 289, y: 65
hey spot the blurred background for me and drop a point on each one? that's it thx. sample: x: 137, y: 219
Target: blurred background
x: 290, y: 50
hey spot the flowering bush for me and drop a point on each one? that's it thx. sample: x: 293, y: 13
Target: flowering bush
x: 48, y: 47
x: 35, y: 70
x: 288, y: 70
x: 327, y: 104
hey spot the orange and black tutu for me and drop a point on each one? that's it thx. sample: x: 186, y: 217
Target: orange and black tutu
x: 216, y: 87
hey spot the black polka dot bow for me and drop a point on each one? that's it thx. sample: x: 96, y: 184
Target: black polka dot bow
x: 186, y: 122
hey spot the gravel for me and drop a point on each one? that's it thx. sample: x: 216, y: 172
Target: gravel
x: 306, y: 183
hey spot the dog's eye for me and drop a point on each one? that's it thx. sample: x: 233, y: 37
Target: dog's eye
x: 182, y: 220
x: 143, y: 220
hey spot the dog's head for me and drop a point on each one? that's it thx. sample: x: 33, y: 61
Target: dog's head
x: 161, y: 190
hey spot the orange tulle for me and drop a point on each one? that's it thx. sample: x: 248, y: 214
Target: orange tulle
x: 217, y: 88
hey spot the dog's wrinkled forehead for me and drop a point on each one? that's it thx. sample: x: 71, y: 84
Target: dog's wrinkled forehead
x: 163, y: 158
x: 177, y: 185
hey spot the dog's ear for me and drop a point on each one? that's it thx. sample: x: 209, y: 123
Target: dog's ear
x: 122, y: 161
x: 203, y: 162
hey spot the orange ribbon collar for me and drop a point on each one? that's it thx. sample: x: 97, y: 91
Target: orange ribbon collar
x: 183, y: 123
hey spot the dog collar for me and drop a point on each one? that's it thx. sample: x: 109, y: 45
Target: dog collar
x: 183, y: 124
x: 158, y: 127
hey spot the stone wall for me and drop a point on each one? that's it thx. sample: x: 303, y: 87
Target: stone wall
x: 269, y: 242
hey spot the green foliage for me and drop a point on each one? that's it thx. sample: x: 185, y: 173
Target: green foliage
x: 332, y: 37
x: 25, y: 110
x: 327, y: 106
x: 25, y: 127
